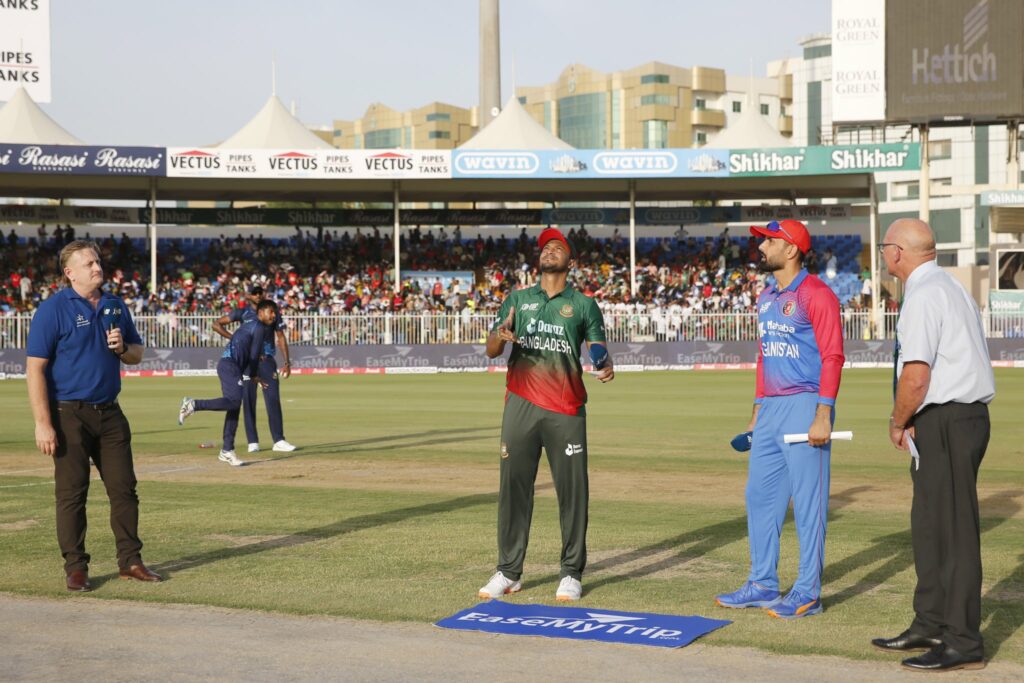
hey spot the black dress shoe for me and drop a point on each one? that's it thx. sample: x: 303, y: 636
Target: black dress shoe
x: 905, y: 642
x: 943, y: 658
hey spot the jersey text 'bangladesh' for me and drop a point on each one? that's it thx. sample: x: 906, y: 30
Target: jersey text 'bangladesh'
x: 544, y: 367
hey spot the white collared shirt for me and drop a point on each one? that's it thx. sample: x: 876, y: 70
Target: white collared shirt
x: 940, y: 325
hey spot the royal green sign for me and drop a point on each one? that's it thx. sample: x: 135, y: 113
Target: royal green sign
x: 824, y: 160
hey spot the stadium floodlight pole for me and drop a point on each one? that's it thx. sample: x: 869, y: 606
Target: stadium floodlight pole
x: 924, y: 189
x: 877, y: 326
x: 1013, y: 158
x: 152, y: 236
x: 398, y: 272
x: 632, y: 239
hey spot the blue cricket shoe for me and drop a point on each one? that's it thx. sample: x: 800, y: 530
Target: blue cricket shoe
x: 750, y: 595
x: 796, y: 605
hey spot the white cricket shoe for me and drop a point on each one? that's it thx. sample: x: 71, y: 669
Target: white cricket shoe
x: 187, y: 409
x: 254, y: 448
x: 230, y: 458
x: 569, y: 589
x: 284, y: 446
x: 499, y: 586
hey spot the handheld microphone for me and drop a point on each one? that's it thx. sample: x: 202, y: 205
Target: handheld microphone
x: 111, y: 319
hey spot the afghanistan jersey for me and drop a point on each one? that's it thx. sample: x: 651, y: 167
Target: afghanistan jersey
x: 544, y: 367
x: 801, y: 340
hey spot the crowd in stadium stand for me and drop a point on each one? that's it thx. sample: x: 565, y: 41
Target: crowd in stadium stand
x: 327, y: 272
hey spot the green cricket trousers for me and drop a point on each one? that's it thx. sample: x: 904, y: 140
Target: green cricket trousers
x: 525, y: 429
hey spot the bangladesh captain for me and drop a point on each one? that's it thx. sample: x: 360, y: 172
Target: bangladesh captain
x: 545, y: 407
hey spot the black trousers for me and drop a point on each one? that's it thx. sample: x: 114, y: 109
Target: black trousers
x: 944, y: 520
x: 102, y: 434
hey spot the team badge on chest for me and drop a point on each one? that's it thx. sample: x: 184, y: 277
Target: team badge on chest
x: 789, y: 308
x: 566, y: 311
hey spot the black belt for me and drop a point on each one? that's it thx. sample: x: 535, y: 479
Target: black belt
x: 83, y: 404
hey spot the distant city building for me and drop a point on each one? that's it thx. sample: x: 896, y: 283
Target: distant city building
x: 435, y: 126
x: 651, y: 106
x: 960, y: 157
x: 654, y: 105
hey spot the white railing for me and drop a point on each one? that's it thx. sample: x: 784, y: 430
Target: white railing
x: 171, y: 330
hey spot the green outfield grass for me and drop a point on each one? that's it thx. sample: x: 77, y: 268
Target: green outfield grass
x: 388, y: 510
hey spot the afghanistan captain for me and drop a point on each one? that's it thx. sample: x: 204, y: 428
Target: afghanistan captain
x: 545, y: 406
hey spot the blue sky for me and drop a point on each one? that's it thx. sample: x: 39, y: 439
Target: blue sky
x: 192, y: 72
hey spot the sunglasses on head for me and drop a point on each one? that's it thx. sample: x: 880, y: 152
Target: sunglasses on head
x: 774, y: 226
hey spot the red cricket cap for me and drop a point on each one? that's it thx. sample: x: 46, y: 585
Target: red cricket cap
x: 789, y: 230
x: 548, y: 234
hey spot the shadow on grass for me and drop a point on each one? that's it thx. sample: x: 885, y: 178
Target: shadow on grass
x: 441, y: 436
x: 896, y: 553
x: 693, y: 545
x: 345, y: 526
x: 1004, y: 606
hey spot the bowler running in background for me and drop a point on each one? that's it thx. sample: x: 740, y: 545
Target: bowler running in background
x: 268, y: 371
x: 799, y: 363
x: 238, y: 366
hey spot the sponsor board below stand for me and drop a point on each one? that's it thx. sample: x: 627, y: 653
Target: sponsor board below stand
x: 500, y: 369
x: 383, y: 359
x: 494, y: 369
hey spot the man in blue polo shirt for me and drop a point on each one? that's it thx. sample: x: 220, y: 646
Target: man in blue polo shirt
x: 78, y: 340
x: 268, y: 371
x: 238, y: 366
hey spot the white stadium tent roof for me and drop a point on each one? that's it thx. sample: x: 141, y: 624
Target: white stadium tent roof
x: 274, y: 127
x: 514, y: 128
x: 23, y: 122
x: 750, y: 130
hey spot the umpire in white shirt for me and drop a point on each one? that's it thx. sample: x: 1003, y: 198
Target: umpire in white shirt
x: 944, y: 386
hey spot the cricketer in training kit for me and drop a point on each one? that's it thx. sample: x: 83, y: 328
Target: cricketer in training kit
x: 799, y: 363
x: 238, y: 365
x: 268, y: 371
x: 544, y: 407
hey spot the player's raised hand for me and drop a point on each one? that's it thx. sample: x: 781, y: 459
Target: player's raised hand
x: 507, y: 329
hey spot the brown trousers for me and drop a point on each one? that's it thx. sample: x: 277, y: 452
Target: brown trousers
x: 103, y: 435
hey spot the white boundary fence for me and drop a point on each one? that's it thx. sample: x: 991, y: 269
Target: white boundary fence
x: 176, y: 331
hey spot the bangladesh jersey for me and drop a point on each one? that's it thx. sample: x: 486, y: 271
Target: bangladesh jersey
x: 544, y: 367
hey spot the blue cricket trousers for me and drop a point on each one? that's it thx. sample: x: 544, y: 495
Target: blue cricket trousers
x: 780, y: 472
x: 272, y: 399
x: 231, y: 388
